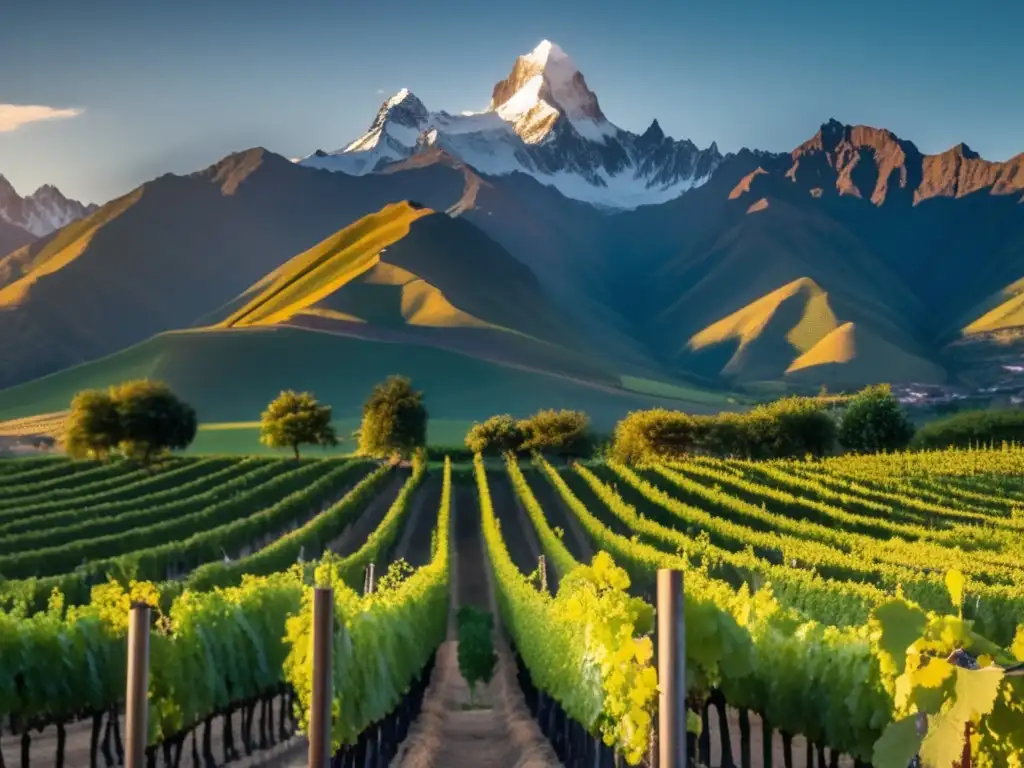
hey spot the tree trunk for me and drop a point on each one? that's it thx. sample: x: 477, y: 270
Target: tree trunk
x: 295, y: 448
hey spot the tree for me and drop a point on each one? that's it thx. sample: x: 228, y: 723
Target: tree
x: 294, y: 419
x: 394, y: 419
x: 93, y: 427
x: 657, y: 433
x: 152, y: 419
x: 792, y: 427
x: 497, y: 435
x: 874, y: 421
x: 477, y: 658
x: 563, y: 433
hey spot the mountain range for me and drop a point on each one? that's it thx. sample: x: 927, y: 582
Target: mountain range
x: 543, y: 120
x: 44, y: 211
x: 530, y: 255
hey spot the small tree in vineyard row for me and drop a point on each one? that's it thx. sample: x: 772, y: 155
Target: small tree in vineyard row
x: 477, y: 658
x: 294, y: 419
x: 394, y: 420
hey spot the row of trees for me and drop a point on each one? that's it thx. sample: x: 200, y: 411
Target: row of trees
x: 562, y: 433
x: 871, y: 421
x: 394, y: 421
x: 145, y: 419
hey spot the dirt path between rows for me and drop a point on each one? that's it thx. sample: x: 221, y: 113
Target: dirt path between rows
x: 499, y: 733
x: 355, y: 533
x: 559, y: 515
x: 414, y: 544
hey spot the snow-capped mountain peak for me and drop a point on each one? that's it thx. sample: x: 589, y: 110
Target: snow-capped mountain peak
x: 545, y: 84
x: 44, y: 211
x: 542, y: 120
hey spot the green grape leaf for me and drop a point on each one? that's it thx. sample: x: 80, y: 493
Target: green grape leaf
x: 693, y: 722
x: 930, y: 685
x: 975, y: 696
x: 902, y: 624
x: 898, y: 745
x: 1005, y: 724
x: 1017, y: 649
x: 955, y: 585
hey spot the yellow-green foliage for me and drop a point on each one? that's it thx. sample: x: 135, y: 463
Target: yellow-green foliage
x: 973, y: 428
x: 394, y: 419
x: 382, y: 640
x: 294, y: 419
x: 562, y: 433
x: 655, y: 433
x: 588, y: 647
x: 792, y: 426
x: 495, y: 436
x: 140, y: 418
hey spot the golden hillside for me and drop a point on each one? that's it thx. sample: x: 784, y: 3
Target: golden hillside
x: 772, y: 330
x: 852, y: 356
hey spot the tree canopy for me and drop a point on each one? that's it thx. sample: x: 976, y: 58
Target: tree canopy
x: 296, y: 418
x: 874, y: 421
x: 93, y: 427
x: 394, y: 419
x: 562, y: 433
x: 495, y: 436
x: 141, y: 419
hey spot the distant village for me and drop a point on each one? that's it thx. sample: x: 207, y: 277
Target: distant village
x: 1002, y: 389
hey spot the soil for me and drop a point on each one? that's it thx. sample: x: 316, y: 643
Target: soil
x: 498, y: 732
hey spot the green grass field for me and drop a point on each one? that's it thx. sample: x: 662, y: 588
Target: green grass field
x: 229, y: 376
x: 243, y: 437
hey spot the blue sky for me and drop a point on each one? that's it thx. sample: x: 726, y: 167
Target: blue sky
x: 173, y: 86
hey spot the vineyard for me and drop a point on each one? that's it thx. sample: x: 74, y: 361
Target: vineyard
x: 822, y: 600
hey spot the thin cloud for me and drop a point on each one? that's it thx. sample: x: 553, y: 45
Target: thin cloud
x: 380, y: 91
x: 13, y: 116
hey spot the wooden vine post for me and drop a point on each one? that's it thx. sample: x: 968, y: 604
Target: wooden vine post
x: 137, y: 693
x: 671, y: 670
x: 320, y: 709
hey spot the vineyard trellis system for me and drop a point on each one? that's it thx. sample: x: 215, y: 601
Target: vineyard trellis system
x: 107, y: 747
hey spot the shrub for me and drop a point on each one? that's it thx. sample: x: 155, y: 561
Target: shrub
x: 727, y: 434
x: 561, y: 433
x: 972, y: 428
x: 496, y: 436
x: 394, y: 419
x: 657, y: 433
x: 794, y: 426
x: 294, y: 419
x: 790, y: 428
x: 874, y: 421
